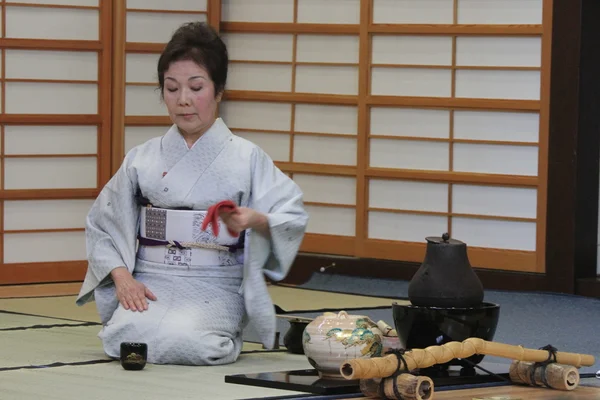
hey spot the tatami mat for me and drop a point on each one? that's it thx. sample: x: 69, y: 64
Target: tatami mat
x: 293, y: 298
x: 288, y: 298
x: 110, y: 381
x: 49, y: 345
x: 13, y: 321
x: 43, y: 346
x: 56, y: 307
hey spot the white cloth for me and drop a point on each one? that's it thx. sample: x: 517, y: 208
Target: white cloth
x: 181, y: 327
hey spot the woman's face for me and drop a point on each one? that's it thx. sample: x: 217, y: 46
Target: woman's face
x: 189, y: 94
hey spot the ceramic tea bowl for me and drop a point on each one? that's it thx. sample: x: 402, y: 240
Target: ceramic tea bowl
x: 134, y: 355
x: 332, y: 339
x: 420, y: 327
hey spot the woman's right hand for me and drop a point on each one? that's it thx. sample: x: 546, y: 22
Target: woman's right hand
x: 132, y: 294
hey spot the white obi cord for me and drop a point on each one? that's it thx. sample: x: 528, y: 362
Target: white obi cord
x: 175, y: 237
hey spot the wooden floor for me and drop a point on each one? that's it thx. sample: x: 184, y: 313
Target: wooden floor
x: 517, y: 393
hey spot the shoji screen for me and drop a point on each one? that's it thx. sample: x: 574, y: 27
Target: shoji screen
x: 55, y: 153
x: 401, y: 119
x: 458, y: 128
x: 143, y: 28
x: 294, y: 90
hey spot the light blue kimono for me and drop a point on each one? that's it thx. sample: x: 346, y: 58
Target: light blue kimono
x: 201, y: 311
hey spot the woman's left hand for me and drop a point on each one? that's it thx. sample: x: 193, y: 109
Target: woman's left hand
x: 243, y: 218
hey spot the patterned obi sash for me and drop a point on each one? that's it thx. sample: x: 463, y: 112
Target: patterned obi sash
x: 175, y: 237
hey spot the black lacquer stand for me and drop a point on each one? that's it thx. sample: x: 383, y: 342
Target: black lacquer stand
x: 308, y: 380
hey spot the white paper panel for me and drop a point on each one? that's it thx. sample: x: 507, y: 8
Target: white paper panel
x: 256, y: 115
x: 329, y: 12
x: 50, y: 173
x: 257, y: 77
x: 408, y: 195
x: 412, y: 50
x: 257, y: 10
x: 405, y: 227
x: 327, y: 48
x: 143, y: 100
x: 324, y: 150
x: 413, y: 11
x: 34, y: 64
x: 332, y: 80
x: 37, y: 139
x: 46, y: 214
x: 141, y: 68
x: 500, y: 11
x: 418, y: 82
x: 259, y: 46
x: 52, y: 23
x: 494, y: 159
x: 393, y: 121
x: 494, y: 200
x: 499, y: 51
x: 136, y: 135
x: 331, y: 220
x: 327, y: 189
x: 90, y: 3
x: 186, y: 5
x: 276, y: 145
x: 490, y: 125
x: 51, y: 98
x: 320, y: 118
x: 495, y: 234
x: 409, y: 154
x: 58, y: 246
x: 521, y: 85
x: 154, y: 27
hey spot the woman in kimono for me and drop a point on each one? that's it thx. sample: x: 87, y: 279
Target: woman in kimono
x: 167, y: 266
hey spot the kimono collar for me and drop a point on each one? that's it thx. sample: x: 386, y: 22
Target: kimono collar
x: 175, y: 147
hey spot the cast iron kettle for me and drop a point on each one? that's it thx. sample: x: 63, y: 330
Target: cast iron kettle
x: 445, y: 278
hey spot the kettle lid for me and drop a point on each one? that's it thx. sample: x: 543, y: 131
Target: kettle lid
x: 444, y: 239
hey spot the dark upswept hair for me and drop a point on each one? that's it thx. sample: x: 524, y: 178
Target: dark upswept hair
x: 198, y: 42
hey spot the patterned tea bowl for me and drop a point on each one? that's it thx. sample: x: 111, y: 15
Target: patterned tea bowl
x: 332, y: 339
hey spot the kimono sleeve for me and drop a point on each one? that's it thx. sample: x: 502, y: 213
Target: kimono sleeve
x: 281, y: 200
x: 111, y: 230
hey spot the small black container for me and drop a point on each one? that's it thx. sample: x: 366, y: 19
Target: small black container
x: 293, y: 337
x: 420, y: 327
x: 134, y: 355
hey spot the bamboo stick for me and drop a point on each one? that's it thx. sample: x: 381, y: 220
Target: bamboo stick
x: 382, y: 367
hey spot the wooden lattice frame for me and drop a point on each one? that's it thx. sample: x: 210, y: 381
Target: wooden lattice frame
x: 63, y: 270
x: 360, y: 245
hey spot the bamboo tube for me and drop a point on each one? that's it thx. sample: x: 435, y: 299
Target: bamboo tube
x: 371, y: 387
x: 401, y: 387
x: 557, y: 376
x: 386, y: 329
x: 382, y: 367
